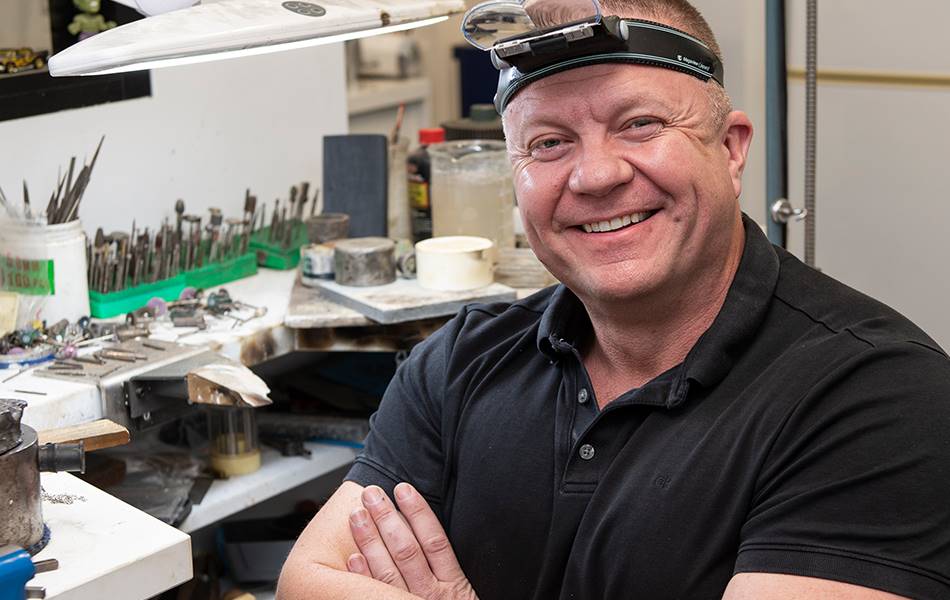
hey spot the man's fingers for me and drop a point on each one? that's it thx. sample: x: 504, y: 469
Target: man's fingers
x: 357, y: 564
x: 371, y: 545
x: 400, y: 540
x: 427, y: 529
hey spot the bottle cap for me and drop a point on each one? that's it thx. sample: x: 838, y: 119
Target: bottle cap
x: 431, y: 136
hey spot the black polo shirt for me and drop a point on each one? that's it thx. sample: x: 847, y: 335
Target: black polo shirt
x: 807, y: 432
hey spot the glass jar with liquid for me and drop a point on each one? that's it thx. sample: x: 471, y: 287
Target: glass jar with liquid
x: 232, y: 432
x: 472, y: 192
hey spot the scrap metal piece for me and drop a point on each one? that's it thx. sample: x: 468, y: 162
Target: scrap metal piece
x: 91, y: 360
x: 11, y: 411
x: 44, y: 566
x: 111, y: 354
x: 35, y: 592
x: 227, y: 383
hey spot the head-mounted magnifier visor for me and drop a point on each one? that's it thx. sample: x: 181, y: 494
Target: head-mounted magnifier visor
x: 537, y: 38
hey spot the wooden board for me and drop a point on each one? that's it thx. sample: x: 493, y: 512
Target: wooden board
x: 96, y: 435
x: 404, y: 300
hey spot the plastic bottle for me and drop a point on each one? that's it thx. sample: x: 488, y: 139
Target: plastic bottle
x: 419, y: 171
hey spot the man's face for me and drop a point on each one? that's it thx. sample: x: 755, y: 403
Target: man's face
x: 625, y: 185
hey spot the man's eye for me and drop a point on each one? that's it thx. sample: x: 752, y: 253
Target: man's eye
x: 643, y: 123
x: 548, y: 148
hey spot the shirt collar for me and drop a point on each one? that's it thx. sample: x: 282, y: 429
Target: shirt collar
x: 565, y: 322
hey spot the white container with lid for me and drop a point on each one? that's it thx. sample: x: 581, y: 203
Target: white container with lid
x: 454, y: 263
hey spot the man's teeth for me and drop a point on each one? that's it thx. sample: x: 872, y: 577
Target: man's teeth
x: 617, y: 222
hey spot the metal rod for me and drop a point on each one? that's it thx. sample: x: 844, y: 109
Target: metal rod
x: 776, y: 114
x: 811, y: 127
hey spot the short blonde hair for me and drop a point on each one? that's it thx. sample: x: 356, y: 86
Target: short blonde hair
x: 686, y: 17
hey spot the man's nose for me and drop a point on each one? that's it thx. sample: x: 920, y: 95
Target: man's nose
x: 599, y: 170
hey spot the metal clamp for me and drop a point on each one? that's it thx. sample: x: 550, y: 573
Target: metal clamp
x: 782, y: 212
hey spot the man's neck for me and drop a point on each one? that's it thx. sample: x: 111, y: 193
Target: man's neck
x: 634, y: 343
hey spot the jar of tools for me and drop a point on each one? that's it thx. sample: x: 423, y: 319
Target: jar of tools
x: 46, y: 266
x: 472, y: 192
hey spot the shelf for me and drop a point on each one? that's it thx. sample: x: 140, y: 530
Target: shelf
x: 276, y: 475
x: 106, y: 548
x: 368, y: 95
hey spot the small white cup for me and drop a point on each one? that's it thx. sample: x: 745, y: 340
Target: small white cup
x: 454, y: 263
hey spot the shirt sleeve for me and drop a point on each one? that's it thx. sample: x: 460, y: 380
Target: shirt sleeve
x: 856, y: 486
x: 405, y: 441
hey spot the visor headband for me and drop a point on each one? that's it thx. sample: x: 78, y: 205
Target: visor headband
x: 614, y: 40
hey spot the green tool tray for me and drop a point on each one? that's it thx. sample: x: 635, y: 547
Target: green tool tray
x: 118, y: 303
x: 217, y: 273
x: 272, y: 255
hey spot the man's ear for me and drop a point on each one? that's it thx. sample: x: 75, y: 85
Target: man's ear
x: 736, y: 140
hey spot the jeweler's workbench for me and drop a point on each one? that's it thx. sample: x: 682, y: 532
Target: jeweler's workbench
x: 297, y: 318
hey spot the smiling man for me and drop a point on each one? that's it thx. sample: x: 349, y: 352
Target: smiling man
x: 693, y: 413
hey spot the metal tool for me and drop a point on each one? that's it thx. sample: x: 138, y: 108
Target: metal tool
x: 274, y: 222
x: 65, y: 203
x: 214, y: 233
x: 179, y: 213
x: 282, y: 226
x: 235, y: 237
x: 304, y: 193
x: 26, y: 202
x: 293, y: 205
x: 313, y: 204
x: 16, y: 569
x: 91, y: 359
x: 250, y: 211
x: 119, y: 354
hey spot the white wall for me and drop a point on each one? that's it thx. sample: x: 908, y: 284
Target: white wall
x: 883, y: 197
x: 739, y: 26
x: 882, y: 194
x: 207, y: 132
x: 24, y: 24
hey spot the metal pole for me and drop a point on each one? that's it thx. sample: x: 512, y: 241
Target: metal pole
x: 811, y: 121
x: 776, y: 115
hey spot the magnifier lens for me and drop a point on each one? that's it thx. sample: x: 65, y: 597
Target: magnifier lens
x: 501, y: 20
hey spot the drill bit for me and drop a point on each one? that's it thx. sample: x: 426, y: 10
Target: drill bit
x: 274, y: 222
x: 179, y: 213
x: 304, y: 193
x: 293, y: 202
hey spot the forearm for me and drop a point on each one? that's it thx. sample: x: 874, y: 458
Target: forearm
x: 314, y: 581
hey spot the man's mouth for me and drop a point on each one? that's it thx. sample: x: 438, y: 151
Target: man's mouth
x: 618, y: 222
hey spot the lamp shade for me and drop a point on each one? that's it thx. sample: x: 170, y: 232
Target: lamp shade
x: 234, y: 28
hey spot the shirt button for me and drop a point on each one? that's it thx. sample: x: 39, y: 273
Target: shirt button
x: 582, y: 395
x: 587, y: 452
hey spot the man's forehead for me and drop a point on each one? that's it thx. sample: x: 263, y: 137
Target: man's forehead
x: 612, y: 83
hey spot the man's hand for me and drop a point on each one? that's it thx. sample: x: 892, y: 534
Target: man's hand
x: 410, y: 550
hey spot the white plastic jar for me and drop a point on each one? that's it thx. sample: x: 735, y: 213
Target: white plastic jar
x: 46, y: 266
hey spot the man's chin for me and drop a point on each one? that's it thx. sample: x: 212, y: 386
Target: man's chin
x: 611, y: 289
